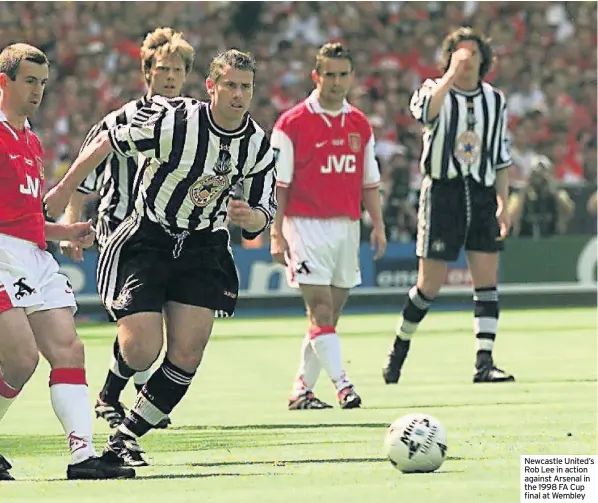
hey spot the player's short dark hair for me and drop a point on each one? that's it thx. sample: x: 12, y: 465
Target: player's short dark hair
x: 332, y: 50
x: 11, y: 57
x: 163, y: 42
x: 232, y: 58
x: 452, y: 40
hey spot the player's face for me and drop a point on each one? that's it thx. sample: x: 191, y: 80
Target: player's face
x: 231, y: 95
x: 333, y: 81
x: 167, y: 75
x: 471, y: 70
x: 24, y: 94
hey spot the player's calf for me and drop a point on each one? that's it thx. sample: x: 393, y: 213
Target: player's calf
x: 415, y: 309
x: 166, y: 422
x: 165, y: 389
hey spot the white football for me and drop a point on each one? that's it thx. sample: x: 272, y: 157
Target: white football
x: 416, y: 443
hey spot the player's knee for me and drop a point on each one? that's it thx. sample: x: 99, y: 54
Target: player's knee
x: 140, y: 353
x: 187, y: 354
x: 431, y: 276
x: 67, y: 353
x: 322, y: 314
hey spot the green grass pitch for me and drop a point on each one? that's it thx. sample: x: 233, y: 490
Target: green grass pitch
x: 233, y: 440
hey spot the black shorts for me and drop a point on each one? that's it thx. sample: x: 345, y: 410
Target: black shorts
x: 138, y: 272
x: 456, y: 213
x: 104, y: 229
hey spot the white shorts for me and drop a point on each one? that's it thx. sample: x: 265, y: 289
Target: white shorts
x: 322, y: 251
x: 29, y: 278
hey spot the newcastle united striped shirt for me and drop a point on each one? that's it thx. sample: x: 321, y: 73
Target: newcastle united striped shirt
x: 191, y: 166
x: 114, y: 179
x: 469, y: 135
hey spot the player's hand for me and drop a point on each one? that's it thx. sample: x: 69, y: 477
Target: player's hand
x: 458, y: 59
x: 378, y: 241
x: 56, y: 200
x: 504, y: 223
x: 71, y: 250
x: 80, y: 234
x: 279, y: 248
x: 240, y: 213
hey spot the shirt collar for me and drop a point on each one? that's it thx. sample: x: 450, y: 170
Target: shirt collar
x: 313, y: 105
x: 4, y: 119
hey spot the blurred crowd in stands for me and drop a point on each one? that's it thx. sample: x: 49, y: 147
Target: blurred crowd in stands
x: 546, y: 64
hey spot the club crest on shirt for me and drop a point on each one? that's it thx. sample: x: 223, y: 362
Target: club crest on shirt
x: 354, y: 141
x: 223, y: 164
x: 207, y: 188
x: 467, y: 147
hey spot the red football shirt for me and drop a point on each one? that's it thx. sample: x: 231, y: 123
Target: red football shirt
x: 324, y: 159
x: 21, y: 182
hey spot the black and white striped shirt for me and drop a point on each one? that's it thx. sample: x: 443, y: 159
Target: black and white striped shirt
x: 191, y: 165
x: 469, y: 135
x: 114, y: 179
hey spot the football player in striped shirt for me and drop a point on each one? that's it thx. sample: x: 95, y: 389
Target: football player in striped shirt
x: 166, y: 60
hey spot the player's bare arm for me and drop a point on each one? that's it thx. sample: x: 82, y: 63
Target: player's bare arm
x: 72, y: 214
x: 438, y: 94
x: 58, y: 197
x: 373, y: 205
x: 80, y: 233
x: 279, y: 248
x: 502, y: 199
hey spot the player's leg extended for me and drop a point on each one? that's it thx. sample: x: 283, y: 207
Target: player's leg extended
x: 348, y: 398
x: 484, y: 271
x: 431, y: 276
x: 140, y: 338
x: 302, y: 396
x: 18, y: 360
x: 440, y: 236
x: 57, y: 340
x: 324, y: 339
x: 108, y: 405
x: 310, y: 262
x: 188, y: 331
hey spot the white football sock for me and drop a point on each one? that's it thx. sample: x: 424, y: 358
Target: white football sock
x: 115, y: 369
x: 70, y: 401
x: 327, y: 346
x: 140, y: 378
x: 309, y: 369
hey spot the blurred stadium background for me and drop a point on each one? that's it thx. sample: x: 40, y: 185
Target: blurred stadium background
x: 233, y: 439
x: 546, y: 65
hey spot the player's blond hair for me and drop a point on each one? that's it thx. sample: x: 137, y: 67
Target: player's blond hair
x: 232, y: 58
x: 452, y: 40
x: 163, y: 42
x: 12, y: 55
x: 332, y: 50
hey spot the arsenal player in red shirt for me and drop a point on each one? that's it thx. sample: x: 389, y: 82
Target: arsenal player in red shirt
x: 326, y: 170
x: 36, y: 301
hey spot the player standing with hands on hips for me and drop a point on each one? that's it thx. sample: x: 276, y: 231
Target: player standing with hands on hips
x: 464, y: 195
x: 326, y: 169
